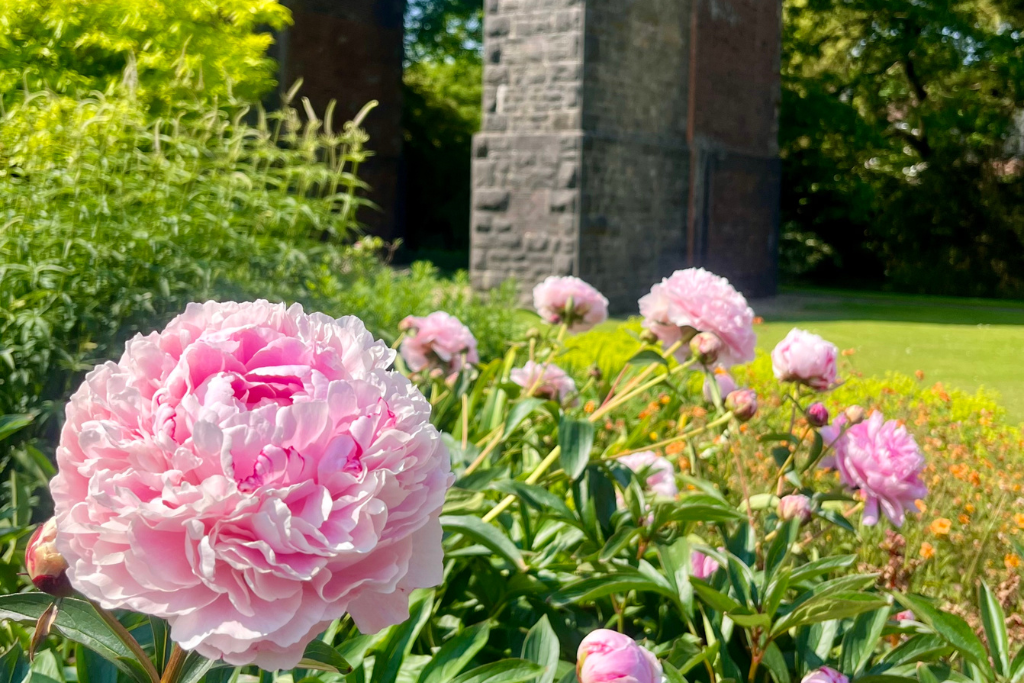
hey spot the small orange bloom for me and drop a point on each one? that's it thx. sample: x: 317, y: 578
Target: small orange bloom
x: 927, y: 551
x: 969, y: 508
x: 654, y: 436
x: 849, y: 352
x: 590, y: 407
x: 941, y: 526
x: 1018, y: 519
x: 1012, y: 560
x: 919, y: 374
x: 758, y: 320
x: 964, y: 519
x: 665, y: 399
x: 921, y: 505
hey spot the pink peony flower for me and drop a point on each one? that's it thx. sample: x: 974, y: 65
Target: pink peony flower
x: 695, y: 300
x: 795, y: 506
x: 546, y: 380
x: 552, y: 299
x: 881, y: 460
x: 608, y: 656
x: 825, y: 675
x: 45, y: 566
x: 702, y: 566
x: 726, y: 385
x: 250, y: 474
x: 805, y: 358
x: 817, y: 415
x: 661, y: 477
x: 438, y: 341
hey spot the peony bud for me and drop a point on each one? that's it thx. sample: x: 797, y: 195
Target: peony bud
x: 595, y: 372
x: 610, y: 657
x: 702, y: 566
x: 825, y: 675
x: 817, y: 415
x: 648, y: 337
x: 705, y: 347
x: 45, y: 565
x: 855, y: 415
x: 794, y: 507
x: 742, y: 403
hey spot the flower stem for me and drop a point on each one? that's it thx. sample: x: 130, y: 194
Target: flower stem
x: 129, y: 640
x: 532, y: 479
x: 174, y: 664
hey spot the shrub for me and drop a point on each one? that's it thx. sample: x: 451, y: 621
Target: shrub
x: 169, y: 47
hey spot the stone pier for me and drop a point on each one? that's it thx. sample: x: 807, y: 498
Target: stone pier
x: 623, y: 139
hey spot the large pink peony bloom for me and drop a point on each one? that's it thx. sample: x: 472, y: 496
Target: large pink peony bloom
x: 805, y: 358
x: 881, y: 460
x: 825, y: 674
x: 250, y: 474
x: 607, y: 656
x: 552, y: 300
x: 546, y: 380
x: 695, y: 300
x: 438, y: 340
x: 661, y: 476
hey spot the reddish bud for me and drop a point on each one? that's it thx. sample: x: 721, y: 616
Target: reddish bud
x: 817, y: 415
x: 45, y: 565
x: 742, y: 403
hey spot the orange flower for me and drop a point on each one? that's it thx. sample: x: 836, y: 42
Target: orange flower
x: 919, y: 374
x: 1018, y: 519
x: 969, y: 508
x: 590, y: 407
x: 927, y: 551
x: 654, y: 436
x: 941, y: 526
x: 665, y: 399
x: 1011, y: 560
x: 758, y: 320
x: 849, y: 352
x: 964, y: 519
x: 921, y: 505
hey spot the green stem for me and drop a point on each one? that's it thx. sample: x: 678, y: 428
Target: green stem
x: 129, y: 640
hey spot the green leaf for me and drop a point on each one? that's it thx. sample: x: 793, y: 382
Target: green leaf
x: 576, y: 438
x: 455, y: 654
x: 9, y: 424
x: 13, y: 665
x: 647, y: 357
x: 505, y: 671
x: 401, y: 637
x: 600, y: 586
x: 994, y: 619
x: 619, y: 540
x: 92, y: 668
x: 485, y: 534
x: 1016, y: 667
x: 917, y: 648
x: 952, y: 628
x: 828, y: 607
x: 537, y: 497
x: 860, y: 640
x: 925, y: 675
x: 776, y: 663
x: 716, y: 600
x: 785, y: 537
x: 196, y: 666
x: 320, y: 656
x: 704, y: 508
x: 541, y: 647
x: 161, y: 642
x: 78, y: 621
x: 816, y: 568
x: 520, y: 411
x: 676, y: 561
x: 672, y: 674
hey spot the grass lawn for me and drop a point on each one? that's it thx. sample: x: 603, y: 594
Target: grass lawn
x: 963, y: 343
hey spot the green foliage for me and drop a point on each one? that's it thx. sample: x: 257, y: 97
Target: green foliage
x: 901, y: 143
x: 75, y: 46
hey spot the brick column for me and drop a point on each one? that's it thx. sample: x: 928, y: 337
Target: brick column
x: 623, y: 139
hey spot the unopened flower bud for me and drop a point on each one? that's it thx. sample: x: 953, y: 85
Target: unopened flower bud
x: 45, y: 565
x: 817, y: 415
x: 533, y: 333
x: 436, y: 373
x: 705, y: 347
x: 855, y: 414
x: 742, y: 403
x: 648, y: 337
x: 796, y: 506
x: 595, y: 372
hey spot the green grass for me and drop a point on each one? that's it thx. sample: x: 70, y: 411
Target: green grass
x: 963, y: 343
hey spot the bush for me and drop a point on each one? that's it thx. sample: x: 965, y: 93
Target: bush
x: 168, y: 47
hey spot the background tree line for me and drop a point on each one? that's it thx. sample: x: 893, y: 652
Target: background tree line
x: 901, y: 135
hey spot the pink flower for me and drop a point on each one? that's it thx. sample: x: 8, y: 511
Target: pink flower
x: 702, y: 566
x: 438, y: 341
x: 905, y: 615
x: 45, y: 566
x: 881, y: 460
x: 794, y: 507
x: 726, y: 385
x: 250, y: 474
x: 610, y: 657
x: 661, y: 476
x: 805, y: 358
x: 546, y: 380
x: 570, y: 300
x: 825, y: 675
x: 695, y: 300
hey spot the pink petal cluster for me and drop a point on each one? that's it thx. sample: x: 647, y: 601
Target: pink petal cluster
x: 702, y: 566
x: 661, y: 476
x: 825, y: 675
x: 805, y: 358
x: 553, y: 296
x: 695, y: 300
x: 881, y: 460
x: 250, y: 474
x: 795, y: 506
x: 726, y: 384
x: 438, y: 340
x: 607, y: 656
x: 545, y: 380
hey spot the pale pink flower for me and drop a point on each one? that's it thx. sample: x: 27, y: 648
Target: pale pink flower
x: 607, y: 656
x: 695, y: 300
x: 805, y: 358
x: 881, y: 460
x: 702, y: 566
x: 661, y: 476
x: 726, y: 384
x: 796, y: 506
x: 825, y: 675
x: 546, y: 380
x: 553, y: 296
x: 251, y: 474
x: 905, y: 615
x: 438, y: 340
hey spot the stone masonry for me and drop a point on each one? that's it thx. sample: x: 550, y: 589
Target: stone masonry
x: 623, y: 139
